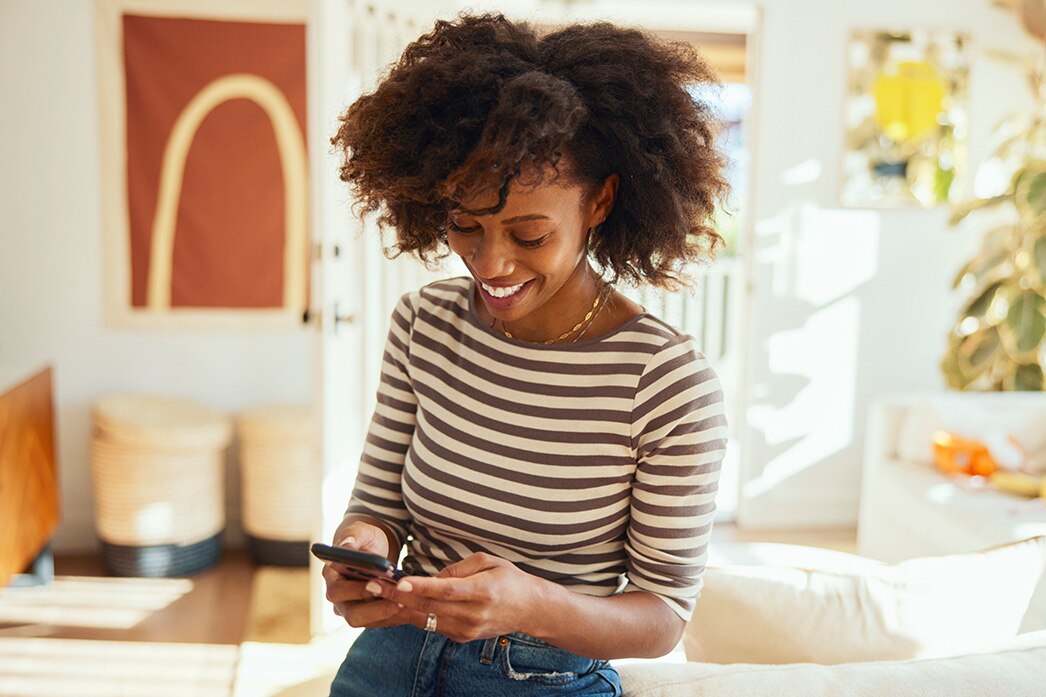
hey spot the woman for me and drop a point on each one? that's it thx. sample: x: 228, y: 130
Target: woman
x: 547, y: 452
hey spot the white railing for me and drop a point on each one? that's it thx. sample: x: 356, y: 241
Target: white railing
x: 709, y: 311
x: 713, y: 312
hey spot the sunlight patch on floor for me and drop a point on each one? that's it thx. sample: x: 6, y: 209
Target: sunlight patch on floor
x: 291, y: 670
x: 84, y: 601
x: 64, y: 667
x: 279, y: 612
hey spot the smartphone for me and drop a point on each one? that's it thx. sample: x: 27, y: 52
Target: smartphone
x: 358, y: 565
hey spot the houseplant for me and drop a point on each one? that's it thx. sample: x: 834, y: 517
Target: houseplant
x: 999, y: 339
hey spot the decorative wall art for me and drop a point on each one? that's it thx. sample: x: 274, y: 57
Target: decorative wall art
x: 203, y: 110
x: 906, y: 118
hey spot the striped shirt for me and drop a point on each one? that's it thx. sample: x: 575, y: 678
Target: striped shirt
x: 594, y: 465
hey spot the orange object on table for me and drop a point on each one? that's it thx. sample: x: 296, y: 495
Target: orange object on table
x: 953, y: 454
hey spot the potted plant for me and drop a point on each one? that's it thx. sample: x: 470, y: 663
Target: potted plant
x: 999, y: 339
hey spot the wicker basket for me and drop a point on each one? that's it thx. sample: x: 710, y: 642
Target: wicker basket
x: 279, y: 466
x: 158, y: 475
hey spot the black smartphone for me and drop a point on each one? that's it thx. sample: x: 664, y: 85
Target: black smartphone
x: 358, y: 565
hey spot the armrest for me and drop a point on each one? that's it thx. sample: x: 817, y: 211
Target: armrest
x: 885, y: 417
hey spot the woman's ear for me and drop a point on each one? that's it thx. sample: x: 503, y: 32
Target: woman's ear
x: 603, y: 200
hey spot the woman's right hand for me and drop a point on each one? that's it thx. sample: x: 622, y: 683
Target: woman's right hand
x: 351, y: 600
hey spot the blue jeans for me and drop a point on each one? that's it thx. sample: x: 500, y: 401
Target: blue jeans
x: 405, y: 661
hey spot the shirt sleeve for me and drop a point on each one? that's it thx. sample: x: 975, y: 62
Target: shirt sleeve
x: 679, y: 436
x: 377, y: 491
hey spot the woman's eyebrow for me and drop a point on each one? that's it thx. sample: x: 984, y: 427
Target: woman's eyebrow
x: 524, y: 218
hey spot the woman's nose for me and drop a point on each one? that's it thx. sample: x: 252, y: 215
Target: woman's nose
x: 492, y: 257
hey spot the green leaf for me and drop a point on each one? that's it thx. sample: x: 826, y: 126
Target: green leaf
x: 942, y: 184
x: 1029, y: 377
x: 980, y: 304
x: 1030, y: 189
x: 984, y: 267
x: 1027, y: 320
x: 961, y: 210
x: 995, y: 251
x: 966, y: 268
x: 1035, y: 194
x: 999, y: 237
x: 1040, y: 258
x: 953, y: 373
x: 976, y: 351
x: 985, y: 350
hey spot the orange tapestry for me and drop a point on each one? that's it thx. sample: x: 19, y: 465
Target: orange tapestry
x: 216, y: 163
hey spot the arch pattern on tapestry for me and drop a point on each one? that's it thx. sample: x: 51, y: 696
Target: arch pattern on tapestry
x: 291, y: 147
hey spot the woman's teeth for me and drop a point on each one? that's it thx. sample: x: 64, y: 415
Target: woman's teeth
x: 502, y: 292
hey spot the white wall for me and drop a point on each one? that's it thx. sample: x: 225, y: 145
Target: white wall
x: 848, y: 304
x: 51, y: 265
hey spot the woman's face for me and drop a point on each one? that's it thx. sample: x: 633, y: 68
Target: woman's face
x: 529, y: 259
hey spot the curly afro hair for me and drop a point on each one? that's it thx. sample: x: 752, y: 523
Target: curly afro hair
x: 475, y: 102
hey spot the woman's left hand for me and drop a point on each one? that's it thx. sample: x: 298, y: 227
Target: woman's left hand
x: 479, y: 597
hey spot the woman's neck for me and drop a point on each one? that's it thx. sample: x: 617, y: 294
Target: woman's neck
x: 565, y: 314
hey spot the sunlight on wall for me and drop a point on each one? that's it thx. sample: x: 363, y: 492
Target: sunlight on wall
x: 820, y: 258
x: 96, y: 602
x: 818, y: 420
x: 337, y: 487
x: 837, y: 253
x: 802, y: 173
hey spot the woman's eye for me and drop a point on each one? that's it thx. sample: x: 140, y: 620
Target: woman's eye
x: 527, y: 244
x: 458, y: 228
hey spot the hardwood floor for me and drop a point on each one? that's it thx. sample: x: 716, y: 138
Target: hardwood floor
x: 213, y: 607
x: 83, y: 603
x: 838, y: 539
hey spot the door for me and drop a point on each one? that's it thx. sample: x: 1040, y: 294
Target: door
x: 354, y: 287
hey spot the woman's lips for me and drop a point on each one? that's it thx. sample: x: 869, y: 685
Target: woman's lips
x: 496, y: 303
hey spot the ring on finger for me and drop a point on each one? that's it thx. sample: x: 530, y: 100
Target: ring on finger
x: 430, y: 622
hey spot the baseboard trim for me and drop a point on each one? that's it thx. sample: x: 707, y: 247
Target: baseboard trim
x: 798, y: 512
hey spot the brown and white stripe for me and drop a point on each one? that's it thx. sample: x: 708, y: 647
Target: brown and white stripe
x: 594, y: 465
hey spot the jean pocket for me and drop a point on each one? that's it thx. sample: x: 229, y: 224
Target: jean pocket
x: 526, y: 658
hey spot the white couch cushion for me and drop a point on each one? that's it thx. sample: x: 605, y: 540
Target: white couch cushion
x: 934, y: 606
x: 777, y: 554
x: 1016, y: 668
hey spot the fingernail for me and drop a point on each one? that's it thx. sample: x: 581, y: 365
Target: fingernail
x: 399, y: 605
x: 350, y: 540
x: 405, y: 586
x: 373, y: 587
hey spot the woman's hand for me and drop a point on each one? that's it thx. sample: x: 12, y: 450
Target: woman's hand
x: 359, y: 607
x: 479, y: 597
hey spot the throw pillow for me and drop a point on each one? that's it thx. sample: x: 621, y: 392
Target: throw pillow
x: 920, y: 608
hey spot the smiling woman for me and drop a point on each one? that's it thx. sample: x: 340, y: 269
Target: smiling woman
x: 531, y: 267
x: 545, y: 452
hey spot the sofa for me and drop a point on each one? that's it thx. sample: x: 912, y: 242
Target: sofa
x: 945, y: 598
x: 908, y: 509
x: 778, y: 620
x: 1015, y: 669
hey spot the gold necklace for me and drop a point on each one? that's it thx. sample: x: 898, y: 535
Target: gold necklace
x: 600, y: 297
x: 606, y: 302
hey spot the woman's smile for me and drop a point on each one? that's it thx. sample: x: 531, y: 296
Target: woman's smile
x: 529, y: 259
x: 504, y: 297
